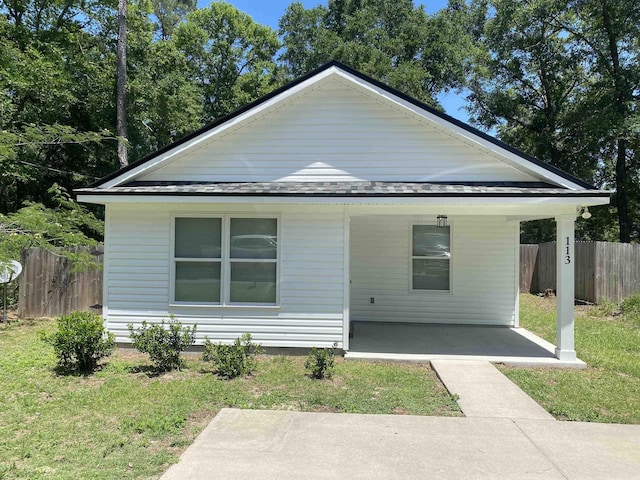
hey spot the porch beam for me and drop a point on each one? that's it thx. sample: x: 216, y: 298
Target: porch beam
x: 565, y: 273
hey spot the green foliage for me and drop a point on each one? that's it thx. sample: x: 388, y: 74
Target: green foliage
x: 80, y: 341
x: 630, y: 308
x: 393, y: 41
x: 606, y: 308
x: 47, y: 132
x: 163, y: 343
x: 66, y: 224
x: 230, y: 57
x: 556, y: 79
x: 171, y: 12
x: 320, y: 362
x: 235, y: 360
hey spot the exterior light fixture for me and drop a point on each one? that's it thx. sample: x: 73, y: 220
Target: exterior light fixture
x: 586, y: 214
x: 442, y: 221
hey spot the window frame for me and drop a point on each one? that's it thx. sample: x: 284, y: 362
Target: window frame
x: 225, y: 261
x: 413, y: 257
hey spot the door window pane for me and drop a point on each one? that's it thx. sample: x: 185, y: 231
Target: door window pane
x: 253, y: 282
x: 198, y: 237
x: 431, y: 241
x: 430, y: 274
x: 254, y: 238
x: 197, y: 282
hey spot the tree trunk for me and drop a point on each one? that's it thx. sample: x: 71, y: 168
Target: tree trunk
x: 622, y: 95
x: 121, y: 103
x: 622, y: 193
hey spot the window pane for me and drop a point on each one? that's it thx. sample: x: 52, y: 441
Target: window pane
x: 198, y: 237
x: 198, y: 282
x: 430, y: 274
x: 253, y: 282
x: 254, y: 237
x: 430, y: 241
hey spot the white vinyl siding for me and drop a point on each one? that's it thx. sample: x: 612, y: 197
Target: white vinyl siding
x: 336, y: 133
x: 482, y: 272
x: 138, y: 276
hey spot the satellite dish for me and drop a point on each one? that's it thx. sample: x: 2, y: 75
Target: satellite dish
x: 9, y: 271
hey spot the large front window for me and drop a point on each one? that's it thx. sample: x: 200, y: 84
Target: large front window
x: 430, y: 257
x: 225, y: 260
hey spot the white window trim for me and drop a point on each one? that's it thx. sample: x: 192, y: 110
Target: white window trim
x: 225, y: 262
x: 421, y: 291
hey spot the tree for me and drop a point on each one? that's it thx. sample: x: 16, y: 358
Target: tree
x: 607, y: 34
x: 169, y: 13
x: 166, y: 103
x: 229, y: 57
x: 58, y: 82
x: 392, y: 41
x: 63, y: 224
x: 545, y: 78
x: 526, y: 83
x: 45, y: 76
x: 121, y: 101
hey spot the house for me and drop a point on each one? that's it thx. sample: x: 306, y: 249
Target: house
x: 332, y: 200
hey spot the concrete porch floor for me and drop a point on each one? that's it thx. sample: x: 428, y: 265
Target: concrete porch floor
x: 425, y: 342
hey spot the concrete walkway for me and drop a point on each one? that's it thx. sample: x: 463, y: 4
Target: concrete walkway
x: 278, y: 445
x: 485, y: 392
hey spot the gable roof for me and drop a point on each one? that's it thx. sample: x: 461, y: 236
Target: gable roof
x: 127, y: 174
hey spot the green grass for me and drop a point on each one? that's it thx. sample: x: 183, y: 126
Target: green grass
x: 608, y: 391
x: 124, y: 422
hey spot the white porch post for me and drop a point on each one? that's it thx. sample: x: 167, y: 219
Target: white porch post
x: 565, y: 349
x: 346, y: 321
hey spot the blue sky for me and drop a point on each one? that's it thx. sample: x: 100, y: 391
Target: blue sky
x: 268, y: 12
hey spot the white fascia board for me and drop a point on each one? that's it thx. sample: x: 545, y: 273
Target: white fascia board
x: 441, y: 124
x: 287, y: 200
x: 488, y: 207
x: 206, y: 136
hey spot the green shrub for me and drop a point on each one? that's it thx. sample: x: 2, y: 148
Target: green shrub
x: 320, y: 362
x: 235, y: 360
x: 606, y: 308
x: 631, y: 308
x: 163, y: 344
x: 80, y: 341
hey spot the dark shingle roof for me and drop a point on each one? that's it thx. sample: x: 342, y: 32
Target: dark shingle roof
x: 342, y: 189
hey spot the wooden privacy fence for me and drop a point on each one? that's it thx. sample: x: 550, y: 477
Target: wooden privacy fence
x: 49, y: 287
x: 603, y: 270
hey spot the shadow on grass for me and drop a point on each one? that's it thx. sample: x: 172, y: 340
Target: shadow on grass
x: 62, y: 371
x: 148, y: 370
x: 14, y: 322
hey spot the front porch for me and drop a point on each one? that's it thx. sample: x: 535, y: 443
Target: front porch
x: 420, y: 342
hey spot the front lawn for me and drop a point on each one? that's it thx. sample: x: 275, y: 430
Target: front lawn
x: 124, y: 422
x: 608, y: 390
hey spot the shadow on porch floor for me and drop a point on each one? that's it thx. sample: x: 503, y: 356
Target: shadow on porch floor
x: 423, y: 342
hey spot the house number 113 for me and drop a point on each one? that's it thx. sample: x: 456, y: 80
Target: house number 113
x: 567, y: 257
